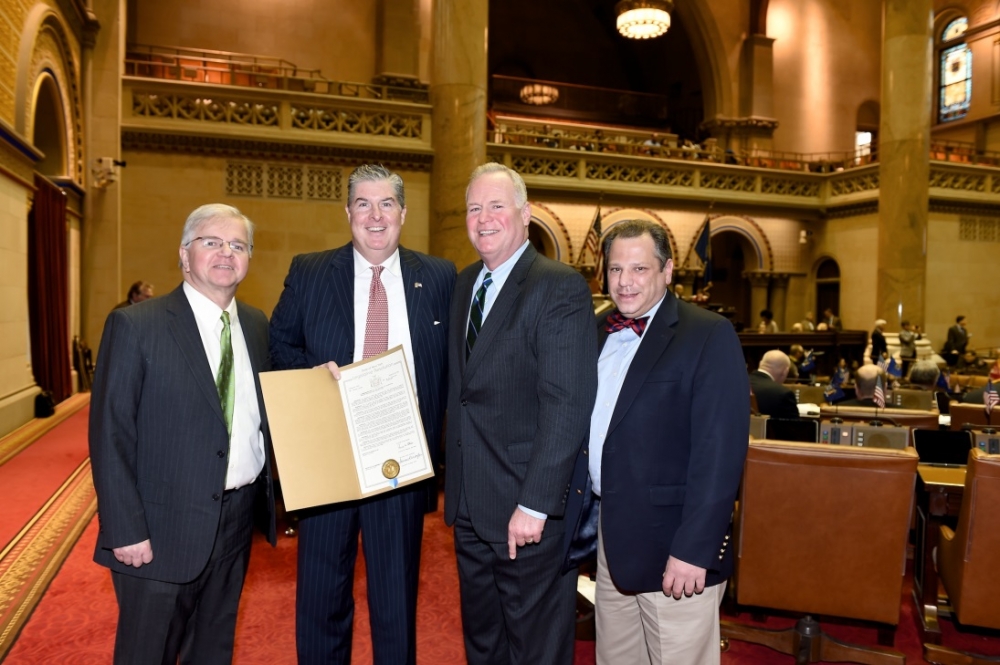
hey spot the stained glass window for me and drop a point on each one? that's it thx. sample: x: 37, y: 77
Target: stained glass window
x: 956, y: 73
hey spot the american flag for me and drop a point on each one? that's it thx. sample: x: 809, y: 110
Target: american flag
x: 883, y: 364
x: 990, y: 397
x: 879, y: 396
x: 592, y: 243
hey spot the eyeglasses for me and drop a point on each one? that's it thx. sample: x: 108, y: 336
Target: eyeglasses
x: 237, y: 246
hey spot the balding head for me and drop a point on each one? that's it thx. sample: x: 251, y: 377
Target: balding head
x: 775, y: 363
x: 864, y: 382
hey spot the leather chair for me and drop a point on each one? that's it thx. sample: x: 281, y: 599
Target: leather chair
x: 822, y: 530
x: 971, y: 414
x: 921, y: 400
x: 969, y: 557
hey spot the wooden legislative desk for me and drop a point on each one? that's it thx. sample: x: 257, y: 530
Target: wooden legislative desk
x: 848, y: 344
x: 939, y: 495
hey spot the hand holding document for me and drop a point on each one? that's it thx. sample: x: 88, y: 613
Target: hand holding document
x: 348, y: 439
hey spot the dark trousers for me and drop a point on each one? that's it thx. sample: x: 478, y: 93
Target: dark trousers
x: 159, y: 621
x: 515, y: 612
x: 391, y: 527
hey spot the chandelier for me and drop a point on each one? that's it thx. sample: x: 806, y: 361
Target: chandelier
x: 538, y: 94
x: 643, y: 19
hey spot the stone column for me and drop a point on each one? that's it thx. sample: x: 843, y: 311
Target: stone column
x: 458, y: 97
x: 779, y: 299
x: 758, y: 296
x: 101, y: 275
x: 904, y: 161
x: 397, y: 59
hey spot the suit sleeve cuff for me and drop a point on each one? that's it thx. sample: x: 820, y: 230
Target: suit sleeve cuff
x: 533, y: 513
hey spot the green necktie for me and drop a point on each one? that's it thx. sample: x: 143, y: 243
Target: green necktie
x: 225, y: 380
x: 476, y: 314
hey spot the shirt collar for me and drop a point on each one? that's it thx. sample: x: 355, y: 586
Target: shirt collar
x: 499, y: 275
x: 362, y: 265
x: 204, y: 309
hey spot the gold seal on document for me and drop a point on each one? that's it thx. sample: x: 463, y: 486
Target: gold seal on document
x: 390, y: 469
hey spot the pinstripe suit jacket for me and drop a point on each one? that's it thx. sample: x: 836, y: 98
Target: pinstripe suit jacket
x: 158, y: 438
x: 313, y: 322
x: 519, y: 408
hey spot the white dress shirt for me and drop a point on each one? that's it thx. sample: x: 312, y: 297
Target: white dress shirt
x: 399, y: 323
x: 246, y: 443
x: 612, y: 368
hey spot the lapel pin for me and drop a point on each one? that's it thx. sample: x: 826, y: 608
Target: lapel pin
x: 418, y: 285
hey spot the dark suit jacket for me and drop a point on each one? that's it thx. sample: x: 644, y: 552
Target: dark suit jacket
x: 519, y: 408
x: 975, y: 396
x: 674, y: 453
x: 773, y: 399
x: 958, y: 339
x: 879, y: 346
x: 313, y: 322
x: 156, y: 434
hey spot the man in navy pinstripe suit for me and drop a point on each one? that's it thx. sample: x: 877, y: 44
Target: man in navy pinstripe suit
x: 322, y: 318
x: 522, y: 380
x: 179, y: 452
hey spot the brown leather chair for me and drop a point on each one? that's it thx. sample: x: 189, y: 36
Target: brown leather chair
x: 822, y: 530
x: 901, y: 417
x: 971, y: 414
x: 907, y: 398
x: 969, y: 557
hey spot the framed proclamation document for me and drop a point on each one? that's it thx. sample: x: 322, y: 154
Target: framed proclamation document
x: 349, y: 439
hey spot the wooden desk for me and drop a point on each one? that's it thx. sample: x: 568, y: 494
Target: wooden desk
x: 939, y: 495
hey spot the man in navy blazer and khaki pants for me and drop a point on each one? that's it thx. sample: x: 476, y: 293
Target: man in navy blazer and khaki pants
x: 178, y: 442
x: 338, y: 307
x: 522, y: 376
x: 668, y: 437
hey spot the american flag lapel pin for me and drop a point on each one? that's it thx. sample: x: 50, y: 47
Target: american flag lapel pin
x: 418, y: 285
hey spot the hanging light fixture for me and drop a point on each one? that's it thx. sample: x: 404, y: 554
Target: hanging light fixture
x: 643, y: 19
x: 538, y: 94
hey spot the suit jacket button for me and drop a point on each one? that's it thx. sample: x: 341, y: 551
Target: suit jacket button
x: 221, y: 454
x: 579, y: 491
x: 459, y: 443
x: 215, y: 497
x: 465, y: 402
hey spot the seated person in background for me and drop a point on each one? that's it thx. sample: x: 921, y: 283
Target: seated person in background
x: 679, y: 292
x: 864, y: 387
x: 971, y: 363
x: 796, y: 356
x: 767, y: 323
x: 796, y: 327
x: 137, y: 293
x: 923, y: 375
x: 808, y: 322
x: 879, y: 347
x: 822, y: 327
x: 773, y: 399
x: 832, y: 320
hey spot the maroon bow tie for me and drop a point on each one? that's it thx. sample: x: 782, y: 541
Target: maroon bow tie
x: 618, y: 322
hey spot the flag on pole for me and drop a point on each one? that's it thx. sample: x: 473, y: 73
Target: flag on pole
x: 883, y: 364
x: 703, y: 248
x: 592, y: 243
x: 833, y: 392
x: 944, y: 381
x: 879, y: 397
x: 808, y: 363
x: 990, y: 397
x: 894, y: 369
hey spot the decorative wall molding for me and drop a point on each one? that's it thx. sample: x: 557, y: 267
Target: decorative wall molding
x: 979, y: 229
x: 283, y: 181
x: 246, y: 148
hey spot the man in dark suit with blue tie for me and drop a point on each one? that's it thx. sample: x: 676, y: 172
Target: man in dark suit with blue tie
x: 178, y: 443
x: 668, y: 437
x: 338, y: 307
x: 522, y: 378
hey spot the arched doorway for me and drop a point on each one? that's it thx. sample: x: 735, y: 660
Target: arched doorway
x: 49, y: 129
x: 827, y: 287
x: 542, y: 240
x: 731, y: 257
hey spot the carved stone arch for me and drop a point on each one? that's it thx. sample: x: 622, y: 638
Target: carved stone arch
x: 616, y: 216
x: 555, y: 231
x: 47, y: 55
x: 717, y: 79
x: 756, y: 239
x: 943, y: 18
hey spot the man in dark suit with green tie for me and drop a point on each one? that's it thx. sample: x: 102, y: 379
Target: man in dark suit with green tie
x: 178, y: 443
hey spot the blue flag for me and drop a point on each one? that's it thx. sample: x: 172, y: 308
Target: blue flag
x: 808, y: 363
x: 894, y: 369
x: 944, y: 381
x: 833, y: 393
x: 703, y: 248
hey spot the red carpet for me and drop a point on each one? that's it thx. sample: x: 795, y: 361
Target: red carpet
x: 35, y: 473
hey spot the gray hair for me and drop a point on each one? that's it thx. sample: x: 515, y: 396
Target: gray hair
x: 211, y: 211
x: 520, y: 189
x: 635, y: 228
x: 375, y: 173
x: 924, y: 373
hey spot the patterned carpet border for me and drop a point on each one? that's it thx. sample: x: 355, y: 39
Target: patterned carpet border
x: 31, y: 560
x: 27, y: 434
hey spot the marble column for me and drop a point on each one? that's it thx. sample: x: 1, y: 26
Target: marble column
x: 904, y: 162
x: 758, y: 296
x: 779, y: 299
x: 101, y: 278
x: 458, y: 97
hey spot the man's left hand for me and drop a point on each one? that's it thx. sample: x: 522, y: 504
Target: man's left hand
x: 522, y: 530
x: 682, y: 578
